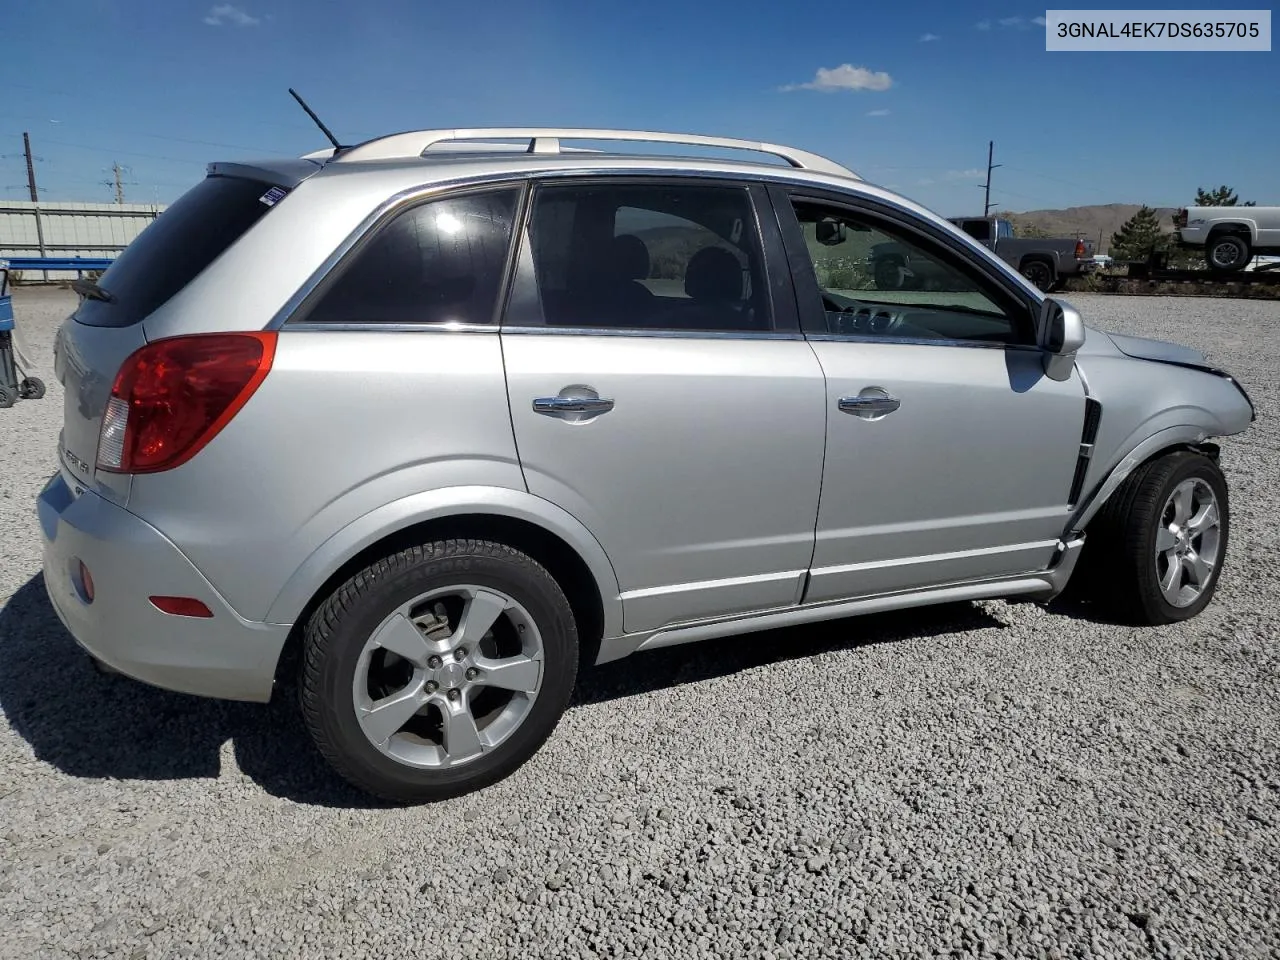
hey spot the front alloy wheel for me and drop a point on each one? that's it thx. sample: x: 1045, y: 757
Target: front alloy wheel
x: 1154, y: 553
x: 1188, y: 542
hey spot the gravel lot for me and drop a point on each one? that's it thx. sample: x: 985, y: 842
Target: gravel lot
x: 973, y: 780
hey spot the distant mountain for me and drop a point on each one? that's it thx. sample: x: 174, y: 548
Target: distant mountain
x: 1087, y: 222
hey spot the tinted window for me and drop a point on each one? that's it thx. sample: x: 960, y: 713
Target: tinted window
x: 175, y: 248
x: 647, y: 257
x: 438, y: 262
x: 876, y: 280
x: 978, y: 229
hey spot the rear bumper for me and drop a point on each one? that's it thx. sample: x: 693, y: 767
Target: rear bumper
x: 223, y: 656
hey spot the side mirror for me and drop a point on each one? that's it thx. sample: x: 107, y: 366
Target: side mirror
x: 830, y: 232
x: 1060, y: 334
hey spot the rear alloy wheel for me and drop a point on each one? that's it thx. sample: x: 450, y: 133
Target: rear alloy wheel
x: 438, y: 670
x: 1040, y: 274
x: 1228, y: 252
x: 1159, y: 543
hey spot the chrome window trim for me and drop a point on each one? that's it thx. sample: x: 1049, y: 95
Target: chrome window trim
x: 524, y: 179
x: 308, y: 326
x: 919, y: 341
x: 657, y: 334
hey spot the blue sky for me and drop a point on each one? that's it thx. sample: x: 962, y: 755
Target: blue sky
x: 908, y: 94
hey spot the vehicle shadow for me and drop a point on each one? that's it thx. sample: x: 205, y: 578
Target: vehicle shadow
x: 91, y: 725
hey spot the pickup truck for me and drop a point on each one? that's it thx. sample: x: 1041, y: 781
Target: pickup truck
x: 1046, y: 263
x: 1229, y: 236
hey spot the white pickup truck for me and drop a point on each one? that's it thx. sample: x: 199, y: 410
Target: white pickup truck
x: 1229, y: 236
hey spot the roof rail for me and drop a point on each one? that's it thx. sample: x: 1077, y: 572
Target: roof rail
x: 546, y: 140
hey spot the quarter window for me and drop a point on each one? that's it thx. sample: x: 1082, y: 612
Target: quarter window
x: 646, y: 257
x: 877, y: 280
x: 438, y: 262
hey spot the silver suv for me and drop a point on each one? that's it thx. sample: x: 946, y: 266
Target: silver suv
x: 449, y: 418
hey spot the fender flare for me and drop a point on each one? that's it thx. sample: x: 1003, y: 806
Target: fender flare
x: 1167, y: 439
x: 438, y: 504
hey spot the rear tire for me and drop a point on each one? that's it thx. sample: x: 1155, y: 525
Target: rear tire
x: 1228, y: 252
x: 1154, y: 552
x: 32, y: 388
x: 7, y: 398
x: 396, y: 632
x: 1040, y: 274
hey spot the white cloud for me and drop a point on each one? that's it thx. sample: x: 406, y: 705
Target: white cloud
x: 973, y: 173
x: 845, y: 77
x: 877, y: 113
x: 226, y: 13
x: 925, y: 182
x: 1011, y: 23
x: 929, y: 37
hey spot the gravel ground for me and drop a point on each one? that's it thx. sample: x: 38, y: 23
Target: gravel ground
x: 983, y: 779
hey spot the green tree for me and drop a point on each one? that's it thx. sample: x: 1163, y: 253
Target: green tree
x: 1140, y: 236
x: 1030, y: 229
x: 1223, y: 196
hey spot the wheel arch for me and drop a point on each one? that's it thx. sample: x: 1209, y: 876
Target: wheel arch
x: 1241, y: 228
x: 1049, y: 261
x: 534, y: 526
x: 1188, y: 437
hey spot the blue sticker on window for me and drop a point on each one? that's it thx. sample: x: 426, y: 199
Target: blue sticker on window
x: 273, y: 196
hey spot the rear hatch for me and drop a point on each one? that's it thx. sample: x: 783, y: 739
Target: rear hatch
x: 107, y: 327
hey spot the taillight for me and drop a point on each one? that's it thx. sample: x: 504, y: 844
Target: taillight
x: 172, y: 396
x: 1180, y: 218
x: 1079, y: 249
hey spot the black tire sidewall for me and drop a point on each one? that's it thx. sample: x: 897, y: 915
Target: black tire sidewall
x: 1039, y: 274
x: 1236, y: 241
x: 1152, y: 597
x: 359, y: 760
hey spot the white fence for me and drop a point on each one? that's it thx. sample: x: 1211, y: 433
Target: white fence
x: 44, y: 229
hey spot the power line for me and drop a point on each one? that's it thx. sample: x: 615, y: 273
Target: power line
x: 123, y: 153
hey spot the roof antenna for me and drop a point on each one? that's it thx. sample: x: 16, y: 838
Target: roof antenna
x: 337, y: 147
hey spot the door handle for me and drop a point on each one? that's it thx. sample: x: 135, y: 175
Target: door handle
x: 574, y: 404
x: 872, y: 404
x: 553, y: 406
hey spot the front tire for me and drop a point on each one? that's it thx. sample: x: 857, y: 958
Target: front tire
x: 1156, y: 549
x: 438, y: 670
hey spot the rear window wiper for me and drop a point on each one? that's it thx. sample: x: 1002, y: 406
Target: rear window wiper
x: 89, y: 288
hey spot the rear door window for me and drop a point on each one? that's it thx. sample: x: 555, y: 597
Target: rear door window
x: 175, y: 248
x: 646, y: 257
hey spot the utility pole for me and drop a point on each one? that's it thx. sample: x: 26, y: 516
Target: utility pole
x: 986, y: 202
x: 31, y: 168
x: 115, y: 168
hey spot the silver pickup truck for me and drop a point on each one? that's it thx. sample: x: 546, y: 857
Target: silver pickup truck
x: 1045, y: 262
